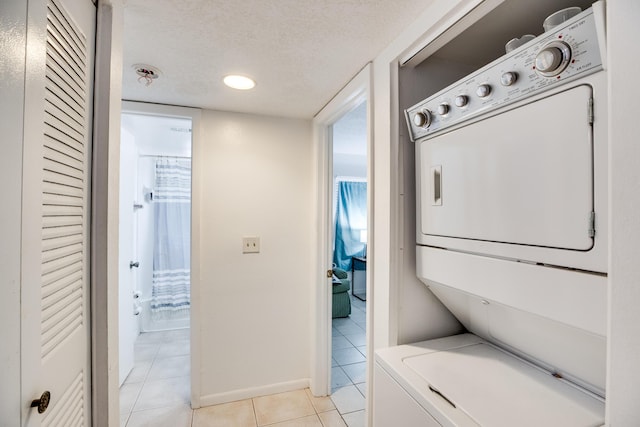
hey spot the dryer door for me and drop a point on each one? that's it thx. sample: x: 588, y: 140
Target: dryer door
x: 522, y: 177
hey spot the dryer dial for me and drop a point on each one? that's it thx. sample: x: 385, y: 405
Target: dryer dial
x: 553, y: 59
x: 443, y: 109
x: 508, y: 78
x: 422, y: 119
x: 461, y: 100
x: 483, y: 90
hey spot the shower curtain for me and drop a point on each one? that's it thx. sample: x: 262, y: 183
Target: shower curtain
x: 170, y: 296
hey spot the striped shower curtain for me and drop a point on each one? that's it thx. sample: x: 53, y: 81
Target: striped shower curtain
x: 170, y: 296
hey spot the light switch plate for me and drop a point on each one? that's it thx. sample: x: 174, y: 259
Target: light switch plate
x: 250, y: 245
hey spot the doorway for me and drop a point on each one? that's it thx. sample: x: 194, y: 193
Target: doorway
x: 349, y: 261
x: 154, y: 264
x: 355, y: 97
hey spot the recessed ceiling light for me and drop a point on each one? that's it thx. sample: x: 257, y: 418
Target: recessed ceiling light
x: 239, y: 82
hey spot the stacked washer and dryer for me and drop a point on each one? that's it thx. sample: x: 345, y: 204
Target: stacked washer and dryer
x: 511, y: 168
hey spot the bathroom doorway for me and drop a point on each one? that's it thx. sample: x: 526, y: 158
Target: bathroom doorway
x: 154, y: 262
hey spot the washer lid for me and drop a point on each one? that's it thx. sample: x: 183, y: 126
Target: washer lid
x: 499, y: 390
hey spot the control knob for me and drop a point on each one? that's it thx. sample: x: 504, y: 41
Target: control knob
x: 443, y: 109
x: 461, y: 100
x: 553, y: 59
x: 422, y: 119
x: 483, y: 90
x: 508, y: 78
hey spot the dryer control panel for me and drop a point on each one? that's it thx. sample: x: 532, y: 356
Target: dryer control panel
x: 564, y: 53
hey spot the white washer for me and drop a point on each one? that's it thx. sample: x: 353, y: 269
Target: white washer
x: 464, y: 381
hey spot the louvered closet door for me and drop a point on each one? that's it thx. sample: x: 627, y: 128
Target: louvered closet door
x: 55, y: 290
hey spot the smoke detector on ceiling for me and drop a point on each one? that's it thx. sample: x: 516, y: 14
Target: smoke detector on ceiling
x: 146, y: 73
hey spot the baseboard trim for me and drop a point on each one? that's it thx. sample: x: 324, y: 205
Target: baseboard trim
x: 248, y: 393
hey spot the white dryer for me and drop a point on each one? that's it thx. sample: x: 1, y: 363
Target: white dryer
x: 511, y: 169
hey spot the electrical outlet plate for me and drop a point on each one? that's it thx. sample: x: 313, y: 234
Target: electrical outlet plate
x: 250, y: 245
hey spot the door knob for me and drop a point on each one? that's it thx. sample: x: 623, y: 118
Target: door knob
x: 134, y: 264
x: 43, y: 403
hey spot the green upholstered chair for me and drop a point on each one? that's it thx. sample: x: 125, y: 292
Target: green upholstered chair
x: 341, y: 306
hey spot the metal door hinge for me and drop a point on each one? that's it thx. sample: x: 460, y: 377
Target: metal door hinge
x: 592, y: 224
x: 590, y: 110
x: 329, y: 273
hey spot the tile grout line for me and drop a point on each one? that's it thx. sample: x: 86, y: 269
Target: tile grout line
x: 144, y: 382
x: 253, y: 407
x: 135, y: 401
x: 344, y: 325
x: 156, y: 356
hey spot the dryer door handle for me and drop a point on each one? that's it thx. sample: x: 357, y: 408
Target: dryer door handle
x: 436, y: 177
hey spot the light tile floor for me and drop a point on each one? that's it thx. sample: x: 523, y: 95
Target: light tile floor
x: 156, y: 392
x: 349, y: 365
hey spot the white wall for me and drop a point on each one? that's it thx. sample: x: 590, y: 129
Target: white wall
x: 254, y: 177
x: 349, y: 165
x: 350, y: 143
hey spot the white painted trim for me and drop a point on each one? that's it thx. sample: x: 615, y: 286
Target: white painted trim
x: 355, y: 92
x: 623, y: 370
x: 320, y: 303
x: 370, y: 288
x: 451, y: 23
x: 196, y: 185
x: 11, y: 165
x: 249, y: 393
x: 134, y: 107
x: 104, y: 226
x: 197, y: 164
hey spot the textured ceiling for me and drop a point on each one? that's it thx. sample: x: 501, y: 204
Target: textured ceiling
x: 300, y: 52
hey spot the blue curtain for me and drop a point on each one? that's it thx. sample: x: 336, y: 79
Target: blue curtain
x: 171, y: 288
x: 351, y: 220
